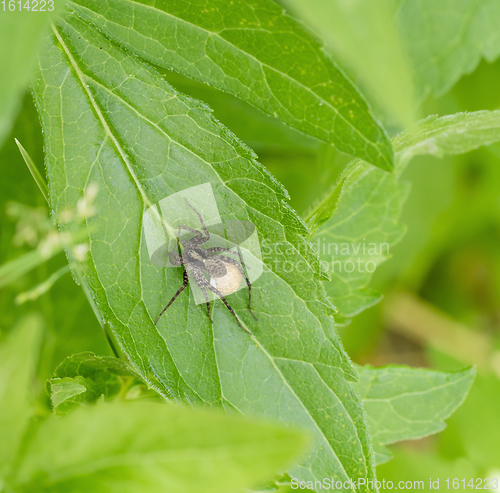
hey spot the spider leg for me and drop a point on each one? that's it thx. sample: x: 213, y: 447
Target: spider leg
x: 203, y: 283
x: 179, y: 291
x: 195, y: 240
x: 218, y: 249
x: 207, y: 302
x: 175, y: 258
x: 200, y: 280
x: 200, y: 218
x: 212, y: 250
x: 227, y: 250
x: 199, y: 238
x: 239, y: 266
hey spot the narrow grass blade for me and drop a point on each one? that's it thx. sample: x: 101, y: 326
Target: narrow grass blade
x: 34, y: 171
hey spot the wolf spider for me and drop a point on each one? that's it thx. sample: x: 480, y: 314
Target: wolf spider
x: 198, y: 261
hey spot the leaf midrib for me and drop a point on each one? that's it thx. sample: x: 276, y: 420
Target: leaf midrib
x: 103, y: 121
x: 145, y: 199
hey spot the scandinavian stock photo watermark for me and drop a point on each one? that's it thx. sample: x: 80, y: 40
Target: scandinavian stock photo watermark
x: 345, y: 257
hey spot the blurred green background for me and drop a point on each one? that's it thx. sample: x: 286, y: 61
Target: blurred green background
x: 444, y: 275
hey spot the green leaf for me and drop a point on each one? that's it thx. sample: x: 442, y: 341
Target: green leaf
x: 110, y: 120
x: 364, y: 36
x: 99, y: 368
x: 255, y: 128
x: 151, y: 447
x: 357, y: 223
x: 447, y: 39
x: 18, y: 357
x: 448, y: 135
x: 20, y: 36
x: 366, y: 205
x: 222, y: 43
x: 85, y: 377
x: 403, y: 50
x: 407, y: 403
x: 64, y: 391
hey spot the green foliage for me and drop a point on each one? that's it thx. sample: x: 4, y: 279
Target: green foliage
x: 291, y: 78
x: 467, y: 447
x: 403, y: 50
x: 448, y: 135
x: 17, y: 268
x: 368, y: 41
x: 478, y: 436
x: 65, y: 391
x: 359, y: 220
x: 85, y: 377
x: 356, y: 226
x: 35, y: 229
x: 407, y: 403
x: 153, y: 446
x: 447, y: 40
x: 114, y: 126
x: 70, y: 323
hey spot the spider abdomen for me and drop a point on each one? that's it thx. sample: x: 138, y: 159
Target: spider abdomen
x: 229, y: 282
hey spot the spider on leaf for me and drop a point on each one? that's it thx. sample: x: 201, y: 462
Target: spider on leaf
x: 224, y: 272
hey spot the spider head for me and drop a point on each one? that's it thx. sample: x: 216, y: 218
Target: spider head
x: 194, y: 255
